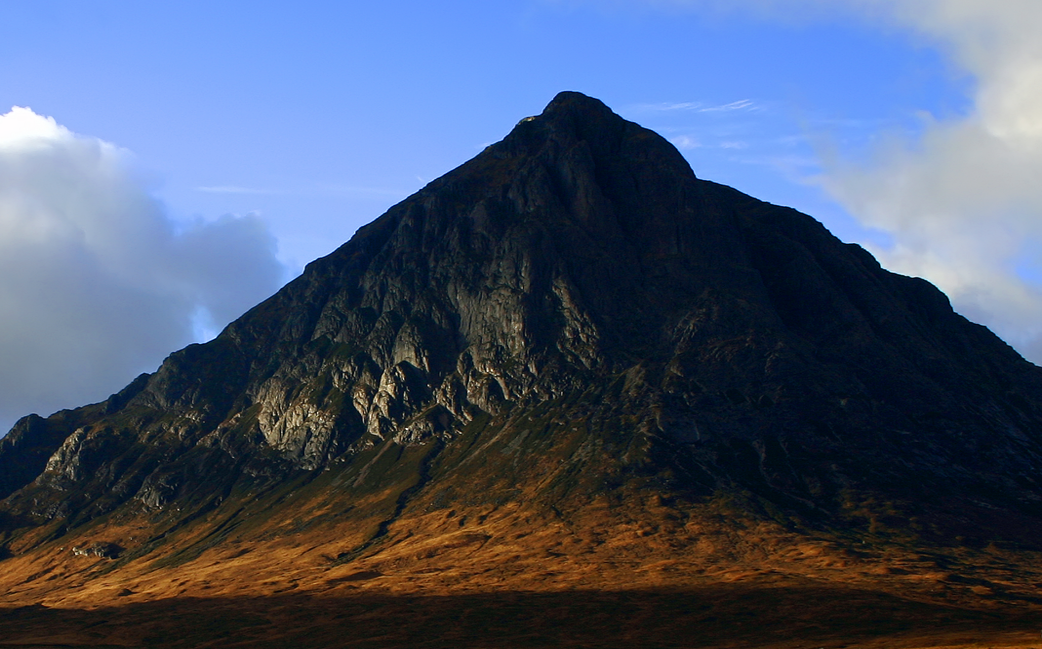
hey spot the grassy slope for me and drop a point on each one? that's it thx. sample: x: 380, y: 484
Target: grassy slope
x: 479, y: 544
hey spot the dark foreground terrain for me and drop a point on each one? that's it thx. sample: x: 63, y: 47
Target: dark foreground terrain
x: 718, y: 616
x: 713, y: 616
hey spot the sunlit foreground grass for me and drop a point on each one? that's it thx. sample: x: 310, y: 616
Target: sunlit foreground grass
x: 505, y: 577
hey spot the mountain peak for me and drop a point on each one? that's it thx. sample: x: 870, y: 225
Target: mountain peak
x: 575, y: 100
x: 570, y: 107
x: 569, y: 104
x: 572, y: 117
x: 569, y: 322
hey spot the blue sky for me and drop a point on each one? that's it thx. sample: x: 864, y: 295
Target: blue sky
x: 265, y: 133
x: 320, y: 116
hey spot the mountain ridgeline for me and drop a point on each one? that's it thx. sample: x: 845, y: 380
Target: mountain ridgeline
x: 570, y: 316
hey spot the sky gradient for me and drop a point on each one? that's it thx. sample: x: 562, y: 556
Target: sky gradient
x: 182, y: 160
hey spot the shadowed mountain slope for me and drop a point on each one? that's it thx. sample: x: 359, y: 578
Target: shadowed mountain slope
x: 570, y: 327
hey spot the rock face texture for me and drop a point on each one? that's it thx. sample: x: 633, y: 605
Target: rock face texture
x: 569, y: 315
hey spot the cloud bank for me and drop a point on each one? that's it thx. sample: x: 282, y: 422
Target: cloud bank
x: 964, y: 202
x: 97, y: 283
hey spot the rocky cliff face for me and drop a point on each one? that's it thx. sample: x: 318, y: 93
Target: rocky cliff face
x: 569, y: 313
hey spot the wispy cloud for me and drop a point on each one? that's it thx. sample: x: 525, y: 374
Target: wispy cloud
x: 354, y: 190
x: 686, y: 143
x: 697, y: 107
x: 801, y: 165
x: 234, y: 189
x: 741, y: 104
x: 317, y: 190
x: 668, y: 106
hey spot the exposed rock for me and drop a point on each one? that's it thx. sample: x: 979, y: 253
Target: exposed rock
x: 98, y: 549
x: 574, y: 281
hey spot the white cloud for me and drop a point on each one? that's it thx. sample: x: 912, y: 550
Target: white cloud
x: 22, y: 128
x: 96, y: 283
x: 963, y: 202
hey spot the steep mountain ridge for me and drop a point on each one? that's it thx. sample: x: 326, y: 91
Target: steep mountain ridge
x: 569, y: 323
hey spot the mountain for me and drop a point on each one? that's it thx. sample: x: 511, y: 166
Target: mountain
x: 566, y: 364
